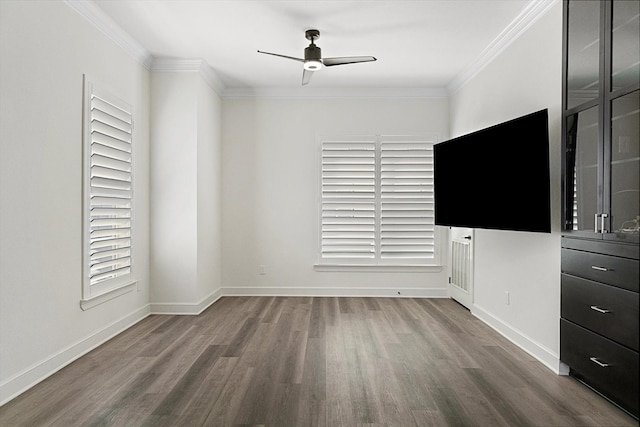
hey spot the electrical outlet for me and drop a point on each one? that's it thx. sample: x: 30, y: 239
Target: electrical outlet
x: 261, y: 270
x: 507, y: 298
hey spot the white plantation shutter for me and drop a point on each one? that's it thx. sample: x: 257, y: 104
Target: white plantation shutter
x: 348, y: 229
x: 406, y: 199
x: 377, y: 200
x: 108, y: 192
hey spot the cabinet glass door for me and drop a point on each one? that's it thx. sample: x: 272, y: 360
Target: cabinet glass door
x: 625, y: 44
x: 583, y: 59
x: 625, y: 168
x: 582, y: 172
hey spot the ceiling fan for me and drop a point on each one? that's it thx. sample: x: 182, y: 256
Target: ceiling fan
x: 313, y: 60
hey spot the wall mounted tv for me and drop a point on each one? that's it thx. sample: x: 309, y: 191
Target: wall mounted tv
x: 496, y: 178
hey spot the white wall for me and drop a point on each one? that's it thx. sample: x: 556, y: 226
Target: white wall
x: 524, y: 78
x: 271, y: 188
x: 209, y: 192
x: 45, y: 47
x: 185, y: 192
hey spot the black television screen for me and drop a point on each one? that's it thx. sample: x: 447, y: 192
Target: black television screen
x: 496, y: 178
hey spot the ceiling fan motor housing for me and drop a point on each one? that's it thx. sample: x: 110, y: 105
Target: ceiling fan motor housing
x: 312, y: 52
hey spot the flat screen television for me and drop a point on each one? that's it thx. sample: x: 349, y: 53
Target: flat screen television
x: 496, y: 178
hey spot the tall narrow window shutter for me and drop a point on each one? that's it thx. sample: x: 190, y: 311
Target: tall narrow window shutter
x: 348, y: 199
x: 406, y: 199
x: 109, y: 189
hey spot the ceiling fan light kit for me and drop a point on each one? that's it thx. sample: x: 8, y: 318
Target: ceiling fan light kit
x: 312, y: 65
x: 313, y: 60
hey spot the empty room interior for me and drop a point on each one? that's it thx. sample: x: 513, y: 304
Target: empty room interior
x: 322, y: 213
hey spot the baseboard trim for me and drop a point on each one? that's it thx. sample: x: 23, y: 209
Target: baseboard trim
x: 29, y: 377
x: 188, y: 309
x: 337, y: 292
x: 543, y: 354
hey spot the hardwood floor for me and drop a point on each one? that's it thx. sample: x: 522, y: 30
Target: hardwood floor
x: 311, y: 362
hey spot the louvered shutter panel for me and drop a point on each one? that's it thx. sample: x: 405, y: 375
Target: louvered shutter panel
x: 110, y: 192
x: 406, y: 200
x: 348, y: 199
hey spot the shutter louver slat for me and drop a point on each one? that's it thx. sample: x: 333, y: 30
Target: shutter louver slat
x: 111, y: 274
x: 111, y: 233
x: 101, y: 130
x: 102, y: 245
x: 110, y: 202
x: 110, y: 183
x: 108, y: 163
x: 109, y: 173
x: 124, y: 114
x: 110, y: 190
x: 111, y: 121
x: 110, y: 213
x: 97, y: 256
x: 111, y: 153
x: 109, y: 141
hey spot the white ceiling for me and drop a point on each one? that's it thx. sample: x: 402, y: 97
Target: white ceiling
x: 418, y: 43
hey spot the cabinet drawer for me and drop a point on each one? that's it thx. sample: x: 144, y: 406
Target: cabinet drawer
x: 620, y: 272
x: 607, y: 310
x: 608, y: 367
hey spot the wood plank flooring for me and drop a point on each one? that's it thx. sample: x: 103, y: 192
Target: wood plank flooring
x: 311, y: 362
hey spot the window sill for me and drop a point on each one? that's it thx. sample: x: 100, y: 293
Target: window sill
x: 86, y: 304
x: 365, y: 268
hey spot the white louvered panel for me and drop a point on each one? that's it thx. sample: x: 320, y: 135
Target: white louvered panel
x: 110, y: 190
x: 348, y: 199
x: 348, y: 230
x: 406, y: 207
x: 460, y: 264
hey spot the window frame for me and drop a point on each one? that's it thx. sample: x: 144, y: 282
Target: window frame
x: 101, y: 291
x: 377, y: 263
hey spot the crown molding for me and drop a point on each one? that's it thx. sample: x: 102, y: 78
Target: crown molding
x: 99, y: 19
x: 307, y: 92
x: 177, y: 65
x: 527, y: 17
x: 92, y: 13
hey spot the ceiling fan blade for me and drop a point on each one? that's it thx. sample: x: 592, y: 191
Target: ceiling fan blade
x: 282, y: 56
x: 306, y: 76
x: 347, y: 60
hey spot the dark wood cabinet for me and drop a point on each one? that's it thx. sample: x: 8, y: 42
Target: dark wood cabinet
x: 601, y: 267
x: 601, y: 196
x: 606, y: 310
x: 605, y: 365
x: 601, y: 120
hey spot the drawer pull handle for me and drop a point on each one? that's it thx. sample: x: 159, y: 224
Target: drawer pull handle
x: 600, y: 310
x: 595, y: 267
x: 599, y: 363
